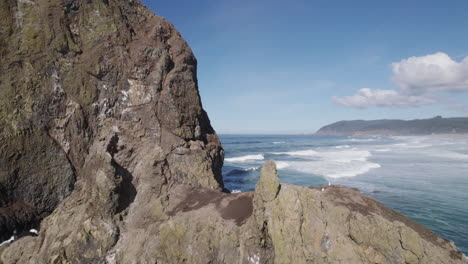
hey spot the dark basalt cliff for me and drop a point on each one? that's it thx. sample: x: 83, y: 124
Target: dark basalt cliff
x: 395, y: 127
x: 99, y: 111
x: 106, y: 150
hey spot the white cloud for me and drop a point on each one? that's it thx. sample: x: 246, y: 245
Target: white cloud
x: 430, y: 73
x: 366, y: 97
x: 418, y: 79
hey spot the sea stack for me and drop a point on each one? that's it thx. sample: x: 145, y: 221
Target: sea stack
x: 106, y: 151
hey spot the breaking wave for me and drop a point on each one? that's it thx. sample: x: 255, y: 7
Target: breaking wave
x: 383, y: 150
x: 297, y: 153
x: 330, y: 163
x: 360, y: 140
x: 333, y: 169
x: 343, y: 146
x: 240, y: 171
x: 246, y: 158
x: 282, y: 164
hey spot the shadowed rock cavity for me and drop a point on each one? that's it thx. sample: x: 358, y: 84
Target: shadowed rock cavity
x: 37, y: 176
x: 125, y: 189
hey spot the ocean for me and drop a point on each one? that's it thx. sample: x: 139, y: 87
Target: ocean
x: 423, y: 177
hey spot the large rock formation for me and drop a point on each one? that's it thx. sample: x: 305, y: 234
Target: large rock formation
x: 105, y: 148
x: 100, y: 116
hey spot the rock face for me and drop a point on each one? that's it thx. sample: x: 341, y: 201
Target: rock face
x: 106, y: 149
x: 100, y: 117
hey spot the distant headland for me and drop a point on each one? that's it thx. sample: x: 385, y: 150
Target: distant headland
x: 396, y: 127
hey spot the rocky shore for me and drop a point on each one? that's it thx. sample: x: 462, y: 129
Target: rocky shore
x: 106, y: 151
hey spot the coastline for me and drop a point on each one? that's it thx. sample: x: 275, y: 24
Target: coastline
x: 421, y: 169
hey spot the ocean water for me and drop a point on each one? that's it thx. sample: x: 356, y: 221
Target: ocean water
x: 423, y: 177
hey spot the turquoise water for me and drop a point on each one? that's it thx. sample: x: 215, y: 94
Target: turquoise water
x: 423, y: 177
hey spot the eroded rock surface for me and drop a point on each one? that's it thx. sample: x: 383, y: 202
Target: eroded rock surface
x: 106, y: 149
x: 100, y: 116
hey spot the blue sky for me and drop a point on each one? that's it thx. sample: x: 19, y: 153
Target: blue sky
x: 294, y: 66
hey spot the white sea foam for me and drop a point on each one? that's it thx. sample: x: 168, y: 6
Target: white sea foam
x: 424, y: 142
x: 297, y: 153
x: 341, y: 156
x: 360, y: 140
x: 343, y: 146
x: 236, y: 191
x: 412, y: 145
x: 448, y: 155
x: 422, y: 146
x: 383, y: 150
x: 279, y: 142
x: 346, y: 156
x: 246, y: 158
x: 334, y: 169
x: 331, y: 162
x: 282, y: 164
x: 364, y: 168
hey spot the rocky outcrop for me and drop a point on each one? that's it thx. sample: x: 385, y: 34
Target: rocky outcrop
x: 281, y: 223
x: 106, y: 149
x: 334, y: 224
